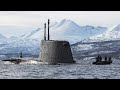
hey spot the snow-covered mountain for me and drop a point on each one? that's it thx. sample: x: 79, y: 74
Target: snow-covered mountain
x: 17, y: 46
x: 63, y: 30
x: 67, y: 30
x: 12, y: 38
x: 2, y: 38
x: 112, y: 33
x: 30, y: 34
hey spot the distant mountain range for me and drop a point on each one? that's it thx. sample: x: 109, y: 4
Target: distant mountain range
x: 63, y: 30
x: 67, y: 30
x: 112, y: 33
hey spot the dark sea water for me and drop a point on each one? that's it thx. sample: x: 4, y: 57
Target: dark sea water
x: 82, y: 69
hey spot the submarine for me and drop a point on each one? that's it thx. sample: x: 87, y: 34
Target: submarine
x: 51, y: 52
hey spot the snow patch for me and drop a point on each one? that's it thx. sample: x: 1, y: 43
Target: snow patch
x: 85, y: 46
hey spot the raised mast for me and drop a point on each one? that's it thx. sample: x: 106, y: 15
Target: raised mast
x: 45, y: 31
x: 48, y: 29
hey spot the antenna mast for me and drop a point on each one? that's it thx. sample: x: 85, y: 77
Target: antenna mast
x: 48, y: 29
x: 45, y: 31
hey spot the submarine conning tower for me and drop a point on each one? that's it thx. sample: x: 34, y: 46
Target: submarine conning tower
x: 55, y: 51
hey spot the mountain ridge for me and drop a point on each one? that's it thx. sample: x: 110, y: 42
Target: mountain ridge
x: 64, y: 30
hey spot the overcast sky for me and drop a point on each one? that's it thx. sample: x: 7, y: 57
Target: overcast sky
x: 25, y: 21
